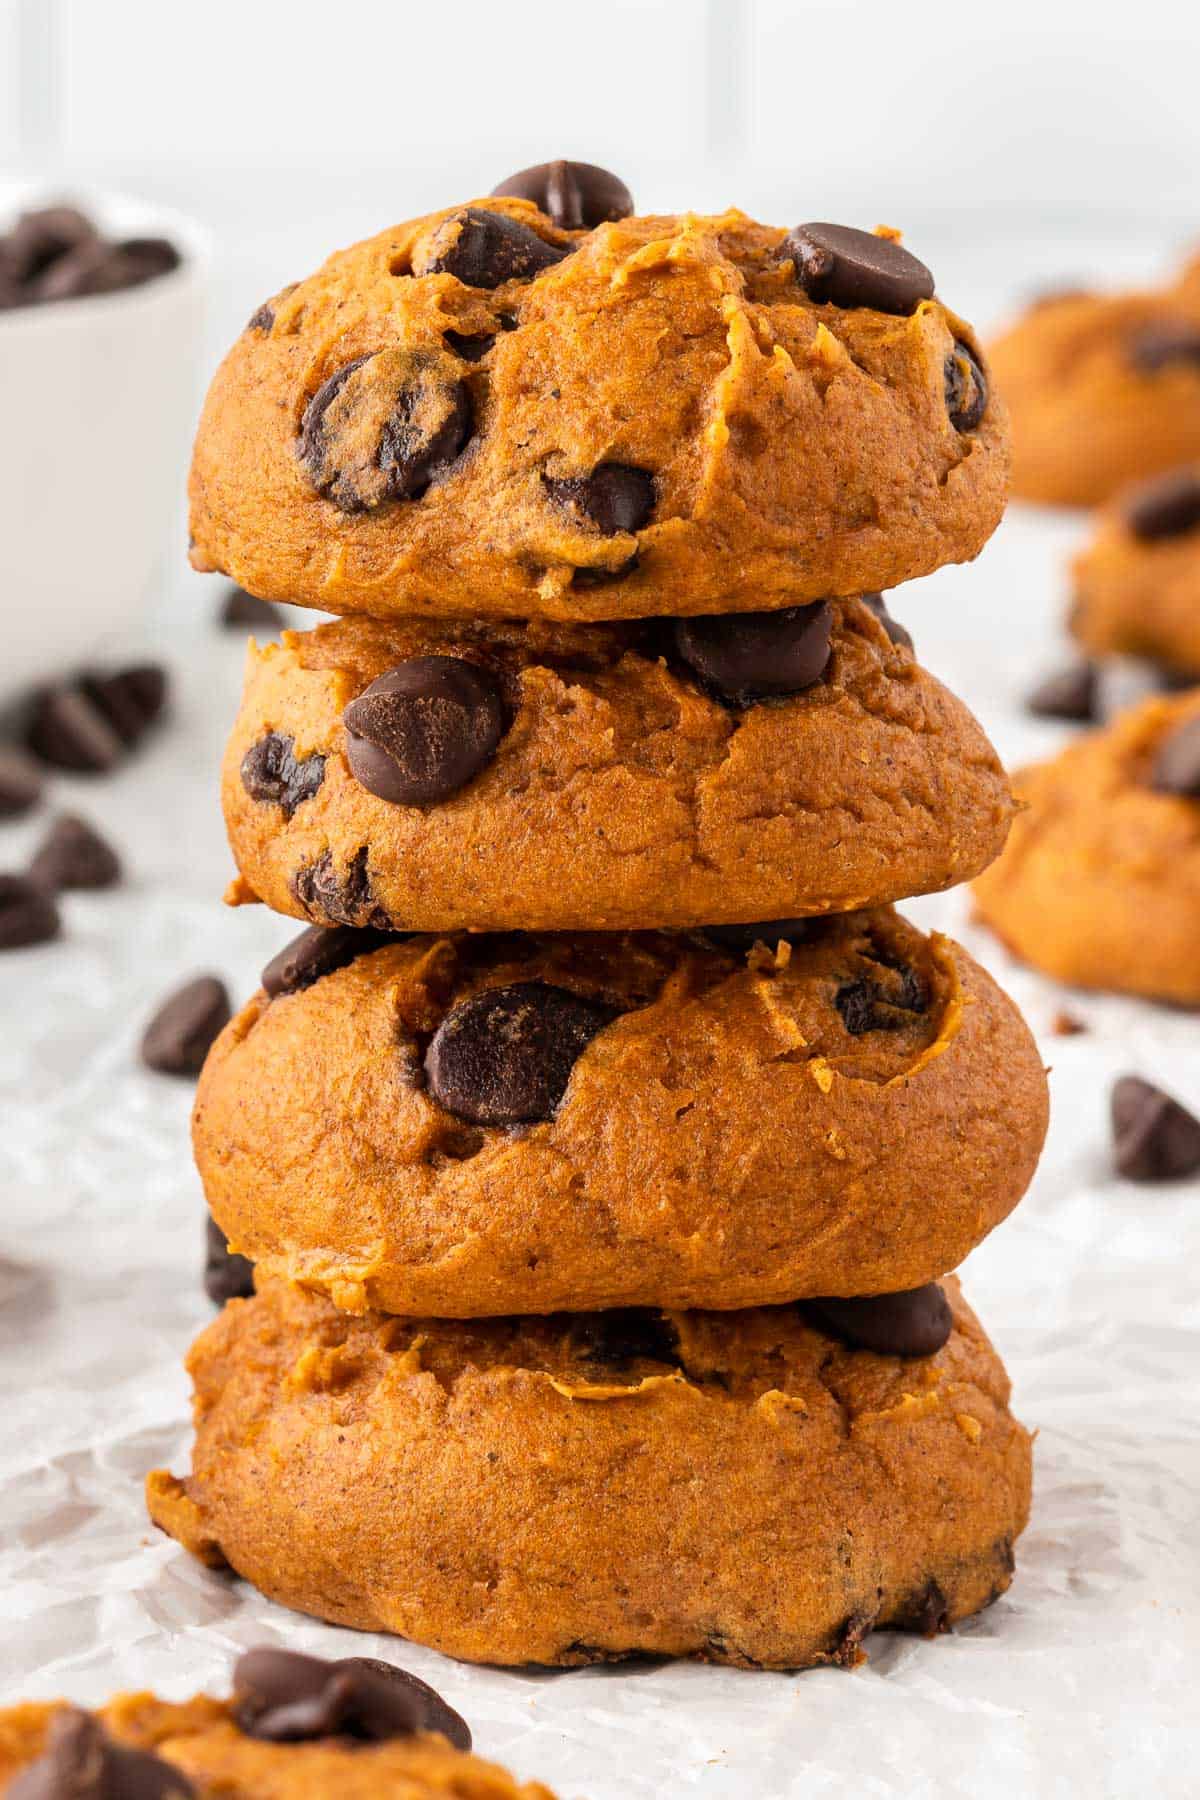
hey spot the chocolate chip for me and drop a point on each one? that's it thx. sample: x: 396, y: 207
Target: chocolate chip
x: 966, y: 387
x: 74, y: 855
x: 1176, y: 766
x: 505, y: 1056
x: 1067, y: 1024
x: 897, y: 632
x: 472, y: 347
x: 186, y: 1026
x: 627, y: 1334
x: 262, y: 318
x: 227, y: 1276
x: 1164, y: 508
x: 1070, y: 694
x: 81, y: 1762
x: 881, y: 1005
x: 769, y: 932
x: 928, y: 1613
x: 846, y: 267
x: 1154, y: 1137
x: 1166, y: 342
x: 131, y: 700
x: 578, y: 196
x: 423, y: 730
x: 271, y: 773
x: 752, y: 656
x: 317, y: 952
x: 28, y: 914
x: 283, y: 1697
x: 68, y: 731
x: 41, y: 236
x: 616, y: 497
x: 485, y: 249
x: 384, y: 427
x: 241, y: 611
x: 339, y: 899
x: 436, y: 1714
x: 914, y: 1323
x: 20, y: 782
x: 91, y: 268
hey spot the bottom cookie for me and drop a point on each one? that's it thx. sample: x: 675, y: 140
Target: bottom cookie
x: 739, y: 1487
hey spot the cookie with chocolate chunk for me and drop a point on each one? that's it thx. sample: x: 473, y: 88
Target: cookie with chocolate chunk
x: 1137, y: 583
x: 831, y: 1107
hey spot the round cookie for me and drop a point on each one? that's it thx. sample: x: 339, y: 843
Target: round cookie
x: 1137, y: 584
x: 740, y: 1487
x: 593, y: 777
x: 1100, y: 884
x: 327, y: 1734
x: 1102, y: 389
x: 481, y: 414
x: 531, y: 1123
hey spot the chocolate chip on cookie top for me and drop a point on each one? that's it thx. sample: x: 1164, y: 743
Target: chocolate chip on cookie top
x: 422, y: 731
x: 1165, y: 507
x: 285, y: 1697
x: 578, y: 196
x: 82, y: 1762
x: 966, y: 387
x: 272, y: 772
x: 847, y: 267
x: 485, y: 249
x: 319, y: 951
x: 384, y: 426
x: 505, y: 1056
x: 614, y: 497
x: 914, y: 1323
x: 1176, y: 765
x: 745, y: 657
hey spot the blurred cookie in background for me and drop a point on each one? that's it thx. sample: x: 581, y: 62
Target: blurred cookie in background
x: 1137, y: 582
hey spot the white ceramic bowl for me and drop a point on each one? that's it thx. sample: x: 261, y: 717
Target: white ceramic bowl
x: 99, y: 401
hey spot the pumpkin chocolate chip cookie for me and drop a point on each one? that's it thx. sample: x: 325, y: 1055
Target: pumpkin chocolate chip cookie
x: 502, y: 411
x: 552, y: 777
x: 295, y: 1728
x: 1137, y: 584
x: 1100, y: 884
x: 748, y: 1488
x: 720, y: 1119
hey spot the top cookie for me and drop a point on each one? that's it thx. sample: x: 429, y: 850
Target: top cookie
x: 485, y: 413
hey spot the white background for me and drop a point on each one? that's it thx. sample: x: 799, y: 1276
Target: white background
x: 1016, y: 145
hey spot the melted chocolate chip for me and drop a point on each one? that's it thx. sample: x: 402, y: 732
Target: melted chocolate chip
x: 745, y: 657
x: 897, y: 632
x: 317, y: 952
x: 505, y: 1056
x: 880, y: 1005
x: 1154, y: 1137
x: 928, y: 1613
x: 423, y: 730
x: 768, y: 931
x: 846, y: 267
x: 81, y: 1762
x: 1166, y: 343
x: 1167, y: 507
x: 227, y: 1276
x: 914, y: 1323
x: 625, y: 1335
x: 966, y: 387
x: 385, y: 427
x: 262, y: 318
x: 578, y: 196
x: 271, y: 774
x: 286, y: 1698
x: 186, y: 1026
x: 74, y: 855
x: 28, y: 914
x: 1071, y: 694
x: 471, y: 347
x: 1176, y: 766
x: 339, y: 899
x: 485, y: 249
x: 615, y: 497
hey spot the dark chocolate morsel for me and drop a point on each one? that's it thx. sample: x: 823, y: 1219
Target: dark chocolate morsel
x: 1164, y: 343
x: 68, y: 731
x: 578, y: 196
x: 436, y: 1714
x: 914, y: 1323
x: 81, y: 1762
x: 423, y: 730
x: 40, y: 237
x: 334, y: 897
x: 99, y: 267
x: 131, y: 700
x: 846, y: 267
x: 286, y: 1698
x: 384, y: 427
x: 186, y: 1026
x: 241, y: 611
x: 898, y: 633
x: 966, y: 387
x: 20, y: 782
x: 615, y: 497
x: 505, y: 1056
x: 317, y: 952
x: 626, y: 1334
x: 1166, y: 507
x: 262, y: 318
x: 227, y: 1276
x: 74, y: 855
x: 271, y: 774
x: 928, y: 1613
x: 1176, y: 767
x: 28, y: 914
x: 768, y: 931
x: 1154, y: 1137
x: 1070, y: 694
x: 881, y: 1005
x: 753, y: 656
x: 485, y: 249
x: 472, y: 347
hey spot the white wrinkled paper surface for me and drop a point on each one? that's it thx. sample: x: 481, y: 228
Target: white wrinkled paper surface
x: 1081, y: 1681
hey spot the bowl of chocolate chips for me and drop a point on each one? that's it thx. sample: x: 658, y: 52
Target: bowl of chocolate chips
x: 101, y: 314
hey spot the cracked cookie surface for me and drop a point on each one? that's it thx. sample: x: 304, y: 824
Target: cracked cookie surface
x: 739, y: 1487
x: 479, y: 414
x: 681, y: 1122
x: 622, y: 793
x: 1100, y: 884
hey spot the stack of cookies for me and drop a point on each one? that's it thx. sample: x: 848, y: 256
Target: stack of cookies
x: 604, y: 1145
